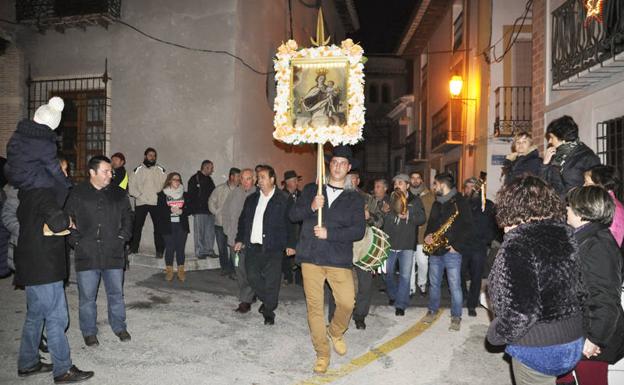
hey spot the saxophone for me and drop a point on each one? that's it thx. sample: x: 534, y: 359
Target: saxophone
x: 440, y: 241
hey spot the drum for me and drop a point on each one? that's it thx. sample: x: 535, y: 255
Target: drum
x: 371, y: 252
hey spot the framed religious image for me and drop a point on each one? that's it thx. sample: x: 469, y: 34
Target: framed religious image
x: 319, y: 93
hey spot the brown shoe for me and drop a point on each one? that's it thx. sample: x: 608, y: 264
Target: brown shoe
x: 169, y: 273
x: 181, y: 273
x: 243, y: 307
x: 321, y: 365
x: 73, y: 375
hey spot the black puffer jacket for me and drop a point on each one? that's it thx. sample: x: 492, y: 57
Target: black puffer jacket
x: 345, y: 222
x: 103, y: 221
x: 535, y: 287
x: 601, y: 264
x: 571, y: 174
x: 523, y: 165
x: 200, y: 187
x: 31, y: 158
x: 40, y: 259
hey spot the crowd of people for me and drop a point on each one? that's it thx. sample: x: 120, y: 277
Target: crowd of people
x: 554, y: 285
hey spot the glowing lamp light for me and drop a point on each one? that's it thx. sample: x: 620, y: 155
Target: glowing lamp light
x: 455, y: 85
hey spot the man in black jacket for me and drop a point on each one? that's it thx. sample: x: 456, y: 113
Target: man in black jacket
x: 263, y: 229
x: 41, y: 266
x: 103, y: 218
x: 291, y: 188
x: 448, y: 202
x: 200, y: 186
x: 326, y: 253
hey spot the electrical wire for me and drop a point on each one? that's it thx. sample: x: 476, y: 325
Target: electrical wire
x: 516, y: 33
x: 195, y: 49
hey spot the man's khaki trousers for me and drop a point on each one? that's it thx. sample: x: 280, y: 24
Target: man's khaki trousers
x: 341, y: 282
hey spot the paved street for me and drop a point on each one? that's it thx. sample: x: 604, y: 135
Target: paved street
x: 188, y: 334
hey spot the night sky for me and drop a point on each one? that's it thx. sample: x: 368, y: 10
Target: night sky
x: 382, y: 23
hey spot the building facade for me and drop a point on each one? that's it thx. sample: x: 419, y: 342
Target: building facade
x: 125, y: 91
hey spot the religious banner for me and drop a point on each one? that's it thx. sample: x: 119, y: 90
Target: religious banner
x: 320, y: 94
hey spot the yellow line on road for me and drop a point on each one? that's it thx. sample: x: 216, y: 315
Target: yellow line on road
x: 372, y: 355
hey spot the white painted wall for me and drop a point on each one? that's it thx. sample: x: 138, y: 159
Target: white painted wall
x: 188, y: 105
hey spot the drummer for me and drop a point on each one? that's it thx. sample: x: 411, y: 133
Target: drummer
x: 374, y: 217
x: 401, y: 224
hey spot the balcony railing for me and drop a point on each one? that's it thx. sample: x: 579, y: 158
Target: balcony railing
x: 67, y: 13
x: 577, y: 45
x: 445, y: 134
x: 513, y: 110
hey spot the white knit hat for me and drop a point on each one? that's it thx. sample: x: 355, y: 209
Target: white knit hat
x: 50, y: 114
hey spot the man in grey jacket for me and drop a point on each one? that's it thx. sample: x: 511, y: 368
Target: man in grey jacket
x: 145, y: 183
x: 215, y: 205
x: 230, y: 214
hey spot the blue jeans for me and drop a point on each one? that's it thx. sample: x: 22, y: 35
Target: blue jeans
x: 204, y: 234
x: 452, y: 263
x: 400, y: 293
x: 88, y: 284
x: 45, y: 304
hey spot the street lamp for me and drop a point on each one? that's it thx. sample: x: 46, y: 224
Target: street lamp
x: 455, y: 85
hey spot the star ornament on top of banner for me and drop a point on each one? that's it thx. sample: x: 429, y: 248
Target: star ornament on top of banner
x: 594, y: 11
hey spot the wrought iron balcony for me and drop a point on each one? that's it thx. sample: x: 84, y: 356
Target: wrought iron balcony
x: 586, y: 51
x: 446, y: 133
x: 513, y: 110
x: 62, y: 14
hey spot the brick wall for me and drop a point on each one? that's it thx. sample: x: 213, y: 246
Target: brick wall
x: 12, y: 94
x: 539, y: 71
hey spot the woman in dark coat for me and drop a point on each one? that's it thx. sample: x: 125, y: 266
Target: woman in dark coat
x: 535, y: 285
x: 172, y: 222
x: 590, y: 211
x: 567, y: 158
x: 525, y: 160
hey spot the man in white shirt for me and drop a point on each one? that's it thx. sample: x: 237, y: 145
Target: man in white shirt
x: 263, y: 229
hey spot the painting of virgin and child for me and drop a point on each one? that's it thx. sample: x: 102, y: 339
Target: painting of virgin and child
x: 319, y: 97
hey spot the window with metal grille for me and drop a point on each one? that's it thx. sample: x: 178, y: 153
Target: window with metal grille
x: 610, y: 145
x: 82, y: 132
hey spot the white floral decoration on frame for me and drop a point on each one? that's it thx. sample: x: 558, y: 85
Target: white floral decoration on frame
x: 288, y: 131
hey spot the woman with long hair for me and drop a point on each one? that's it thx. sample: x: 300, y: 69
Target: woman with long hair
x: 173, y: 224
x: 535, y: 286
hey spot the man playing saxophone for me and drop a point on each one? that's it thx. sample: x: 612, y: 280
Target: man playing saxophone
x: 448, y: 232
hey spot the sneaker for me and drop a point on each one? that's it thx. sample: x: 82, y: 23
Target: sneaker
x: 40, y: 367
x: 455, y: 324
x: 360, y: 324
x: 124, y: 336
x: 340, y: 346
x: 472, y: 312
x: 321, y: 365
x: 399, y: 312
x: 429, y: 317
x: 73, y: 375
x: 91, y: 341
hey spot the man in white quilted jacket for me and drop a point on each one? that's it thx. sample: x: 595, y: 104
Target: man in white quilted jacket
x: 145, y: 183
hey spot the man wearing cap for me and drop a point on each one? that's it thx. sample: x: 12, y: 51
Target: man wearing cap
x: 291, y: 188
x: 401, y: 225
x: 484, y: 231
x: 326, y: 253
x: 120, y: 176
